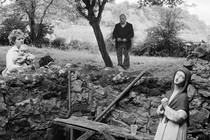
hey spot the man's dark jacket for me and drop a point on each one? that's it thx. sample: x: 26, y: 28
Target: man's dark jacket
x: 123, y: 32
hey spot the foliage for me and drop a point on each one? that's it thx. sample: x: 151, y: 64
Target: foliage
x: 163, y: 40
x: 8, y: 25
x: 79, y: 45
x: 92, y: 11
x: 121, y: 8
x: 33, y: 11
x: 64, y: 10
x: 41, y: 30
x: 59, y: 43
x: 110, y: 43
x: 169, y: 3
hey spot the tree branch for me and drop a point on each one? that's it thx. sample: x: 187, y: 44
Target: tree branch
x: 83, y: 14
x: 79, y: 8
x: 101, y: 8
x: 2, y: 1
x: 45, y: 11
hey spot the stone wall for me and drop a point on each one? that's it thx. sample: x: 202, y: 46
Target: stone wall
x: 30, y: 101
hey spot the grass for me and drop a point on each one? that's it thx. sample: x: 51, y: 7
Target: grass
x: 160, y: 66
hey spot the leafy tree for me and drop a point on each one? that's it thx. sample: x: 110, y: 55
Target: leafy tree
x: 8, y: 25
x: 65, y: 11
x: 170, y: 3
x: 92, y: 11
x: 164, y: 37
x: 33, y: 11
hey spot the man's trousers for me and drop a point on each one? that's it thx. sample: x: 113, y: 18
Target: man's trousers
x: 122, y: 49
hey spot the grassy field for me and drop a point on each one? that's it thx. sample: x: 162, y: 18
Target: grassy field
x: 161, y: 66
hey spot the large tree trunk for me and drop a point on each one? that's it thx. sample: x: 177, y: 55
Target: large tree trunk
x: 32, y: 23
x: 32, y: 28
x: 101, y: 44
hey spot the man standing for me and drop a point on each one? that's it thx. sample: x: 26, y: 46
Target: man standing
x: 123, y: 33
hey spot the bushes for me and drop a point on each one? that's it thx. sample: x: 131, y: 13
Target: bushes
x: 41, y: 30
x: 11, y: 23
x: 80, y: 45
x: 110, y: 43
x: 162, y: 39
x: 7, y: 26
x: 174, y: 49
x: 60, y: 43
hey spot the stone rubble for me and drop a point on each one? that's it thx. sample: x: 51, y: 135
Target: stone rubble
x: 30, y: 101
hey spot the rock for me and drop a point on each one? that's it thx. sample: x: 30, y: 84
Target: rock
x: 142, y: 123
x: 117, y: 114
x: 199, y: 118
x: 77, y: 86
x: 63, y: 72
x: 188, y: 64
x: 199, y: 80
x: 68, y: 65
x: 45, y: 60
x: 119, y: 123
x: 133, y: 94
x: 3, y: 121
x: 128, y: 118
x: 155, y: 101
x: 37, y: 78
x: 95, y: 76
x: 195, y: 103
x: 33, y: 101
x: 120, y: 78
x: 152, y: 125
x: 3, y: 84
x: 191, y: 92
x: 205, y: 93
x: 142, y: 101
x: 3, y: 107
x: 153, y: 113
x: 55, y: 68
x: 99, y: 92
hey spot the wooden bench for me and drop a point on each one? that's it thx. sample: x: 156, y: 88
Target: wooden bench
x: 90, y: 127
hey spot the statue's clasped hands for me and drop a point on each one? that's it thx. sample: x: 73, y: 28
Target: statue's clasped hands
x: 121, y: 40
x: 164, y: 102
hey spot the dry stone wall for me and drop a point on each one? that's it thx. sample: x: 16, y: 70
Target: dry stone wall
x: 30, y: 101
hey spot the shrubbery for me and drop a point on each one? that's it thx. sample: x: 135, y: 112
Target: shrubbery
x: 59, y: 43
x: 41, y: 31
x: 162, y: 39
x: 110, y: 43
x: 81, y: 45
x: 7, y: 26
x: 11, y: 23
x: 174, y: 49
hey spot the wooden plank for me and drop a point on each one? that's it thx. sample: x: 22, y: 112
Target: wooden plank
x: 103, y: 128
x: 86, y: 135
x: 72, y: 126
x: 108, y: 137
x: 71, y: 133
x: 81, y: 122
x: 100, y: 116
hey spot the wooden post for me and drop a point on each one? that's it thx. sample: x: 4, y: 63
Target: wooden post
x: 120, y: 96
x: 71, y: 130
x: 69, y: 92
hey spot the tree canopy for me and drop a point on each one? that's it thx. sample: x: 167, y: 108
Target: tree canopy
x: 170, y: 3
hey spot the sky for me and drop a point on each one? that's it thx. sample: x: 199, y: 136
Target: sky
x: 202, y: 8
